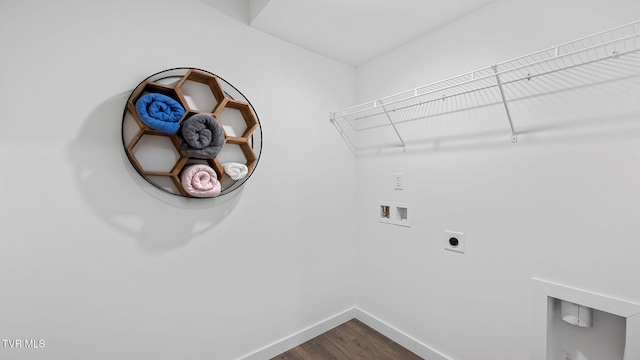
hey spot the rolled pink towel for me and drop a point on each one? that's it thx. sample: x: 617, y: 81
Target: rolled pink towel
x: 200, y: 180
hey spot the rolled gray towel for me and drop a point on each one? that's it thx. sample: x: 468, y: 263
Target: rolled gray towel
x: 201, y: 136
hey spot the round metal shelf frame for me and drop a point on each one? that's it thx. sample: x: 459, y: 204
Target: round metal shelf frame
x: 242, y: 129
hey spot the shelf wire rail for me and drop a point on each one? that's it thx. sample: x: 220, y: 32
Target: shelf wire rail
x: 598, y: 58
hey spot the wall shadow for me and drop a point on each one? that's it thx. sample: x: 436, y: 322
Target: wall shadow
x: 580, y: 130
x: 113, y: 189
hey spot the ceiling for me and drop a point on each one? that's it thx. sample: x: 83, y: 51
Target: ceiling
x: 350, y: 31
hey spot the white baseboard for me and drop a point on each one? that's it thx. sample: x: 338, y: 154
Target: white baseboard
x: 399, y: 337
x: 300, y: 337
x: 321, y: 327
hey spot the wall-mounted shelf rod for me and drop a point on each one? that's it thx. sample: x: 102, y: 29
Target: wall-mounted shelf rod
x: 495, y: 70
x: 606, y: 56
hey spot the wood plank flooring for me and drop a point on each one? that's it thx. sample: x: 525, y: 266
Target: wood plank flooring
x: 352, y: 340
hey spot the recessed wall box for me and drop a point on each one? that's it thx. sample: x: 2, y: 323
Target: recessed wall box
x: 384, y: 212
x: 402, y: 215
x: 394, y: 213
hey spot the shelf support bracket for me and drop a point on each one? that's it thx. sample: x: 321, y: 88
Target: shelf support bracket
x: 343, y: 135
x: 384, y: 108
x: 514, y: 136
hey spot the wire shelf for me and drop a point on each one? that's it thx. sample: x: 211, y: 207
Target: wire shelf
x: 599, y: 58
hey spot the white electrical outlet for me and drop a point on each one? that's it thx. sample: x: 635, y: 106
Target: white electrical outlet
x: 454, y: 241
x: 398, y: 181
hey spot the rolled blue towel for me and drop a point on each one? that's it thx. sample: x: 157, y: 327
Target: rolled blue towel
x: 160, y: 112
x: 201, y: 136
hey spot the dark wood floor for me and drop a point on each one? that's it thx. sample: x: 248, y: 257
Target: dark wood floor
x: 352, y: 340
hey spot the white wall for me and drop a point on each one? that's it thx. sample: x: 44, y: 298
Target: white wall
x: 561, y: 204
x: 98, y: 266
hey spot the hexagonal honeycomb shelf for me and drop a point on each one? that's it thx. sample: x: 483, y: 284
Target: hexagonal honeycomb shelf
x: 155, y: 155
x: 206, y: 79
x: 247, y: 114
x: 152, y: 87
